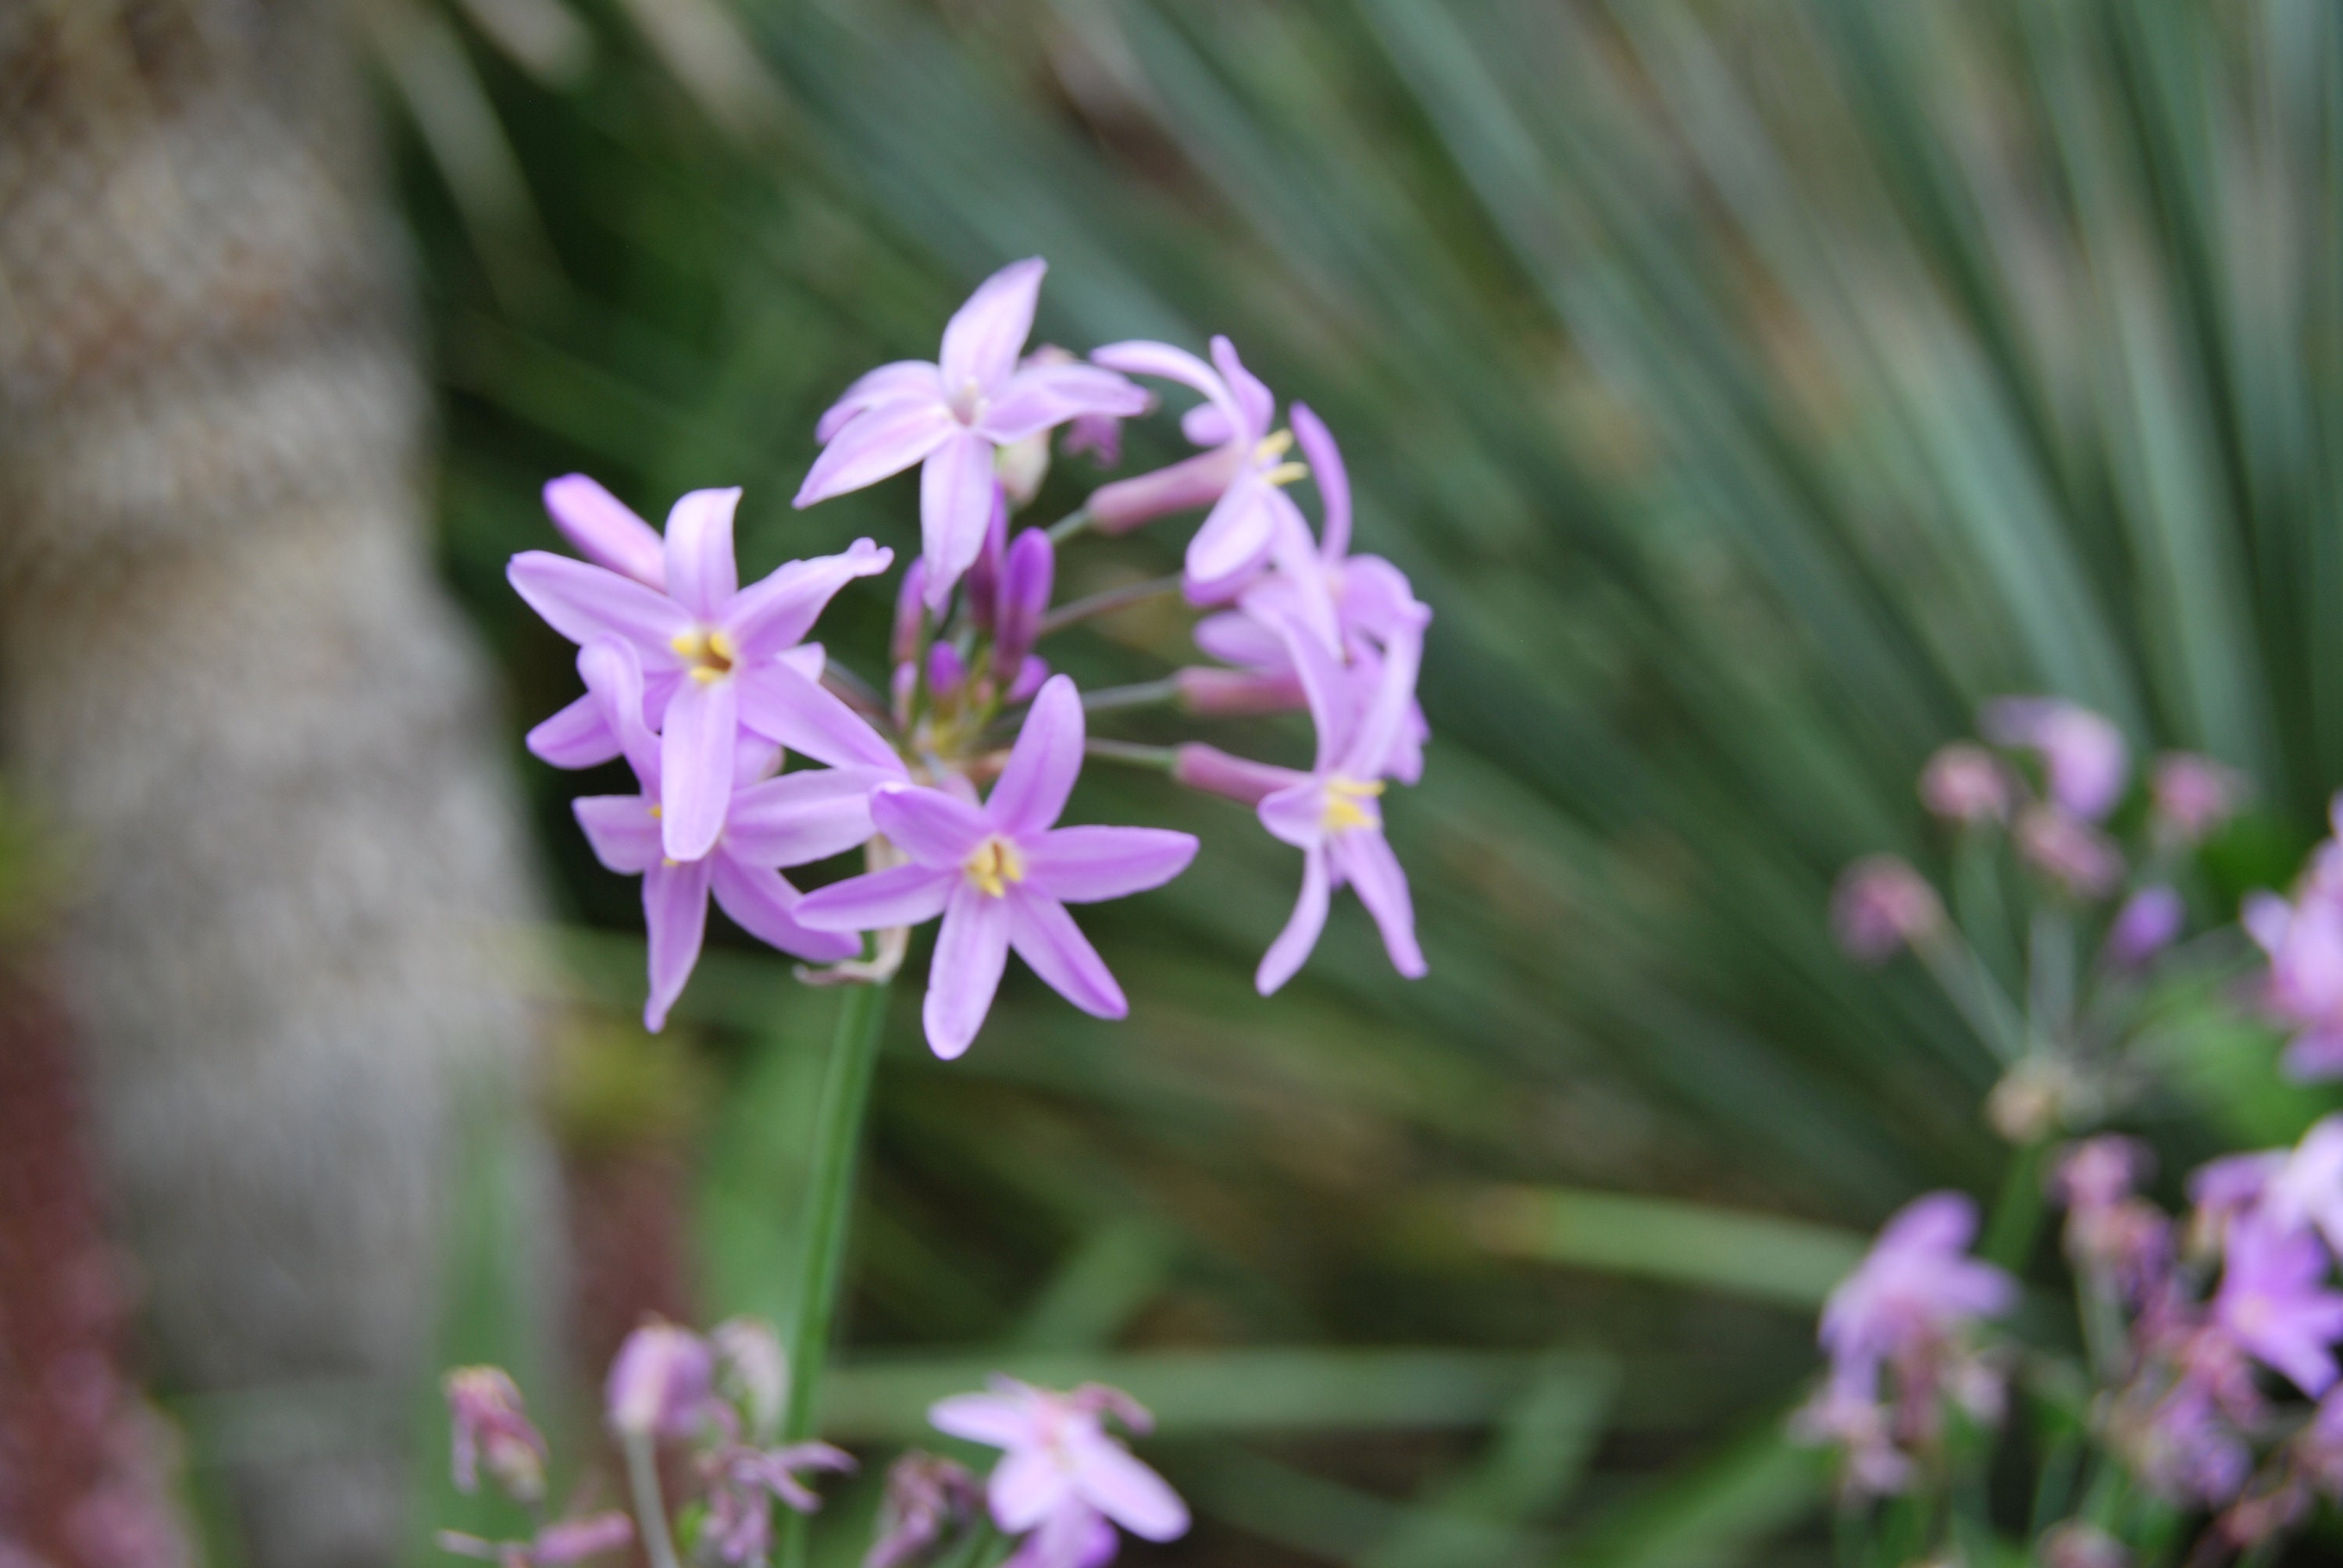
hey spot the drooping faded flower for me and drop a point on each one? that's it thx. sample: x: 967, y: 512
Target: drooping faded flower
x: 660, y: 1383
x: 1061, y: 1476
x: 951, y: 416
x: 491, y: 1431
x: 1001, y: 873
x: 767, y: 822
x: 713, y: 656
x: 559, y: 1545
x: 929, y: 1501
x: 743, y: 1482
x: 2083, y: 753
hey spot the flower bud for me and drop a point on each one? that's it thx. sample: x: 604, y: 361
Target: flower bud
x: 2069, y: 852
x: 1191, y: 482
x: 1022, y: 466
x: 491, y: 1431
x: 1965, y: 783
x: 2149, y: 921
x: 910, y: 613
x: 2082, y: 752
x: 2192, y: 796
x: 658, y: 1384
x: 1027, y: 575
x: 946, y: 670
x: 570, y: 1541
x: 1882, y: 904
x: 1207, y: 690
x: 982, y: 584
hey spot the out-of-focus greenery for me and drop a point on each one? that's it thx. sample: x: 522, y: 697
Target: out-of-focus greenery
x: 1751, y: 387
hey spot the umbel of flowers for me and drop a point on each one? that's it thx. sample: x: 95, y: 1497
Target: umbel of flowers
x: 755, y: 750
x: 2202, y: 1417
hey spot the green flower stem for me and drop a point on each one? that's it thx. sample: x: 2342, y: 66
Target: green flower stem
x: 2015, y: 1223
x: 1972, y: 989
x: 830, y: 1203
x: 651, y: 1509
x: 1074, y: 522
x: 1160, y: 759
x: 1107, y: 600
x: 1144, y: 694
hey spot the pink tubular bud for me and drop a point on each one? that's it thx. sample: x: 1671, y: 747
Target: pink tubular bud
x: 1880, y: 905
x: 1965, y: 783
x: 946, y: 669
x: 1205, y: 690
x: 658, y: 1384
x: 2193, y: 794
x: 574, y: 1540
x: 2072, y: 853
x: 1033, y: 674
x: 1240, y: 778
x: 2149, y: 921
x: 1027, y: 575
x: 1190, y: 482
x: 982, y: 584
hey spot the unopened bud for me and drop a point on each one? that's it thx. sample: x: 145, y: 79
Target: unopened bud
x: 1191, y: 482
x: 1216, y: 773
x: 2192, y: 796
x: 2149, y: 921
x: 658, y: 1384
x: 2069, y: 851
x: 1965, y: 783
x: 1881, y: 905
x: 1208, y: 690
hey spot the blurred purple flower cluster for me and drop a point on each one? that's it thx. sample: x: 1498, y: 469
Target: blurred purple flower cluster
x: 706, y: 687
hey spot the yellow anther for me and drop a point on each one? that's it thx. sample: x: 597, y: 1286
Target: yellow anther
x: 654, y: 810
x: 690, y: 643
x: 995, y: 864
x: 710, y: 653
x: 1272, y: 446
x: 1286, y: 473
x: 1343, y: 811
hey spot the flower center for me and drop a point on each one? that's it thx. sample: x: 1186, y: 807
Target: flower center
x: 968, y: 402
x: 1266, y: 455
x: 1343, y: 811
x: 708, y: 653
x: 995, y: 864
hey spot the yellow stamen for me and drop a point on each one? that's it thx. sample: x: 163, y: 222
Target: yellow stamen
x: 710, y: 653
x: 996, y: 864
x: 1286, y: 473
x: 1272, y: 446
x: 655, y: 810
x: 1343, y: 811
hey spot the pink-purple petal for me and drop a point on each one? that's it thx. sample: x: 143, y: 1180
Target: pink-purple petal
x: 622, y: 829
x: 1085, y: 865
x: 898, y: 895
x: 1293, y: 944
x: 956, y: 488
x: 762, y: 903
x: 1390, y: 702
x: 675, y: 918
x: 1253, y: 400
x: 779, y: 704
x: 1044, y: 395
x: 997, y: 1421
x: 1126, y: 1491
x: 1362, y: 858
x: 904, y: 380
x: 971, y: 950
x: 801, y: 817
x: 1234, y: 540
x: 883, y: 439
x: 1295, y: 815
x: 1047, y: 938
x: 582, y: 602
x: 930, y: 826
x: 579, y: 735
x: 703, y: 727
x: 614, y: 682
x: 701, y: 575
x: 1026, y: 1487
x: 1239, y: 637
x: 984, y: 336
x: 606, y: 530
x: 1333, y: 479
x: 1044, y: 764
x: 771, y: 617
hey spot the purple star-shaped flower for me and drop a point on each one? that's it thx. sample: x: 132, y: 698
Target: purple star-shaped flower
x: 1333, y: 813
x: 2272, y: 1303
x: 1916, y: 1285
x: 712, y: 658
x: 766, y: 823
x: 1252, y: 521
x: 2304, y: 940
x: 952, y: 415
x: 1061, y: 1476
x: 1002, y: 874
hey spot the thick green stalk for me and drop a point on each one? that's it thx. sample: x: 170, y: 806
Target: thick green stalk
x: 829, y: 1205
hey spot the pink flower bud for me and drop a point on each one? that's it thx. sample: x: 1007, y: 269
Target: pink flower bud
x: 1965, y: 783
x: 2069, y: 852
x: 1880, y: 905
x: 574, y: 1540
x: 2149, y: 921
x: 1239, y: 779
x: 910, y: 613
x: 2082, y: 752
x: 658, y: 1384
x: 1027, y: 577
x: 2193, y: 796
x: 1191, y: 482
x: 1207, y: 690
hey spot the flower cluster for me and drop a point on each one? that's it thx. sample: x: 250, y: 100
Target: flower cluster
x: 2199, y: 1328
x: 1898, y: 1332
x: 720, y: 1397
x: 2303, y: 938
x: 709, y: 690
x: 2048, y: 785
